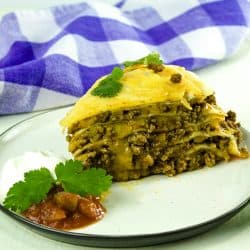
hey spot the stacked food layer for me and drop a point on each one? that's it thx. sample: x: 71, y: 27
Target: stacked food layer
x: 163, y: 121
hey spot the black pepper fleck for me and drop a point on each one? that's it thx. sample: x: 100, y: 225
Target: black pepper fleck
x: 176, y: 78
x: 156, y: 67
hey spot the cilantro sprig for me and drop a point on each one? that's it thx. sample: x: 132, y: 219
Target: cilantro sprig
x: 110, y: 85
x: 74, y: 179
x: 70, y: 175
x: 152, y: 58
x: 32, y: 190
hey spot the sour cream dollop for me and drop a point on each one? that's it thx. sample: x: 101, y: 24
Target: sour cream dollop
x: 14, y: 169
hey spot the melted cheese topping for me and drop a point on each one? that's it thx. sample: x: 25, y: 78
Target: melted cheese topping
x: 140, y: 86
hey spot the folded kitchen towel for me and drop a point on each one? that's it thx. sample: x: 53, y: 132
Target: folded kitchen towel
x: 51, y: 57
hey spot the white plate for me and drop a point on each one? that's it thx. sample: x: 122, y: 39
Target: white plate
x: 155, y: 205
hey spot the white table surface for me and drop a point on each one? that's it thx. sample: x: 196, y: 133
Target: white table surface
x: 230, y: 78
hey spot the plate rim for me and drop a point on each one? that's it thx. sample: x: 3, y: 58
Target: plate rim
x: 60, y: 233
x: 124, y: 241
x: 174, y: 231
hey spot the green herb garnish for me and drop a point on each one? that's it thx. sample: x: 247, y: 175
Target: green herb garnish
x: 70, y: 175
x: 152, y: 58
x: 32, y: 190
x: 110, y: 85
x: 74, y: 179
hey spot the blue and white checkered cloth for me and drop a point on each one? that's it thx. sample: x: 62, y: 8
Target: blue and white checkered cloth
x: 51, y: 57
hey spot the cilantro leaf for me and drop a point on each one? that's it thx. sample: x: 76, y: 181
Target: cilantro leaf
x: 75, y: 179
x: 152, y: 58
x: 116, y: 73
x: 96, y: 181
x: 32, y: 190
x: 110, y: 85
x: 17, y: 198
x: 107, y: 89
x: 68, y: 174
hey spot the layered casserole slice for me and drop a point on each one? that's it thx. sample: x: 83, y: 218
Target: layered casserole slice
x: 162, y: 120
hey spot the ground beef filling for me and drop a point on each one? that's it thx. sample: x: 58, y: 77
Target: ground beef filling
x: 161, y: 138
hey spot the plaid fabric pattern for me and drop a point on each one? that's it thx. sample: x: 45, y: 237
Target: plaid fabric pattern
x: 51, y: 57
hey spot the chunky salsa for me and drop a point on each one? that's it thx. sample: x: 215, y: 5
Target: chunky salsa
x: 64, y: 210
